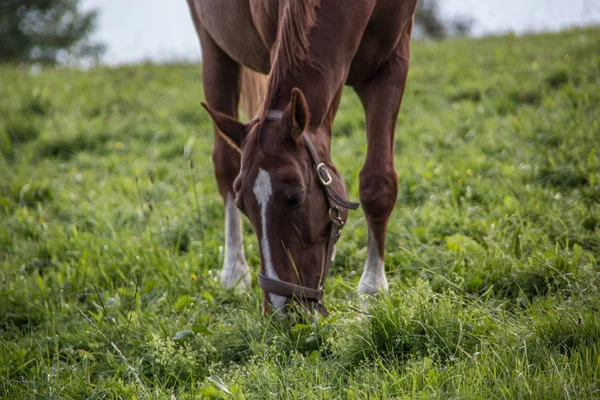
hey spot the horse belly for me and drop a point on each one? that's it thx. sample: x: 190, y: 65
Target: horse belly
x: 230, y: 24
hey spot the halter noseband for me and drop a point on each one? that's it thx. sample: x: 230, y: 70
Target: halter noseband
x: 334, y: 200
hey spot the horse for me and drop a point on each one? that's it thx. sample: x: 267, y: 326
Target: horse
x: 288, y: 62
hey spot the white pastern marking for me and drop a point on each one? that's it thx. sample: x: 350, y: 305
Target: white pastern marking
x: 235, y: 272
x: 263, y: 192
x: 373, y: 278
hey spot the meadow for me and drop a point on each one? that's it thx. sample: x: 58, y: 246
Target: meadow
x: 111, y: 234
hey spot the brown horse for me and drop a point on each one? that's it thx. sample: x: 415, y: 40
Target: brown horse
x: 277, y: 169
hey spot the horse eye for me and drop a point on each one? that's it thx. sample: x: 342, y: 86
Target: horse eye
x: 295, y: 199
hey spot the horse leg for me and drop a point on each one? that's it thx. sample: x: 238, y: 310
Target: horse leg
x: 381, y: 96
x: 221, y: 79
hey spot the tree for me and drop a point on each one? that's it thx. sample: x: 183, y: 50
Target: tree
x: 46, y: 31
x: 429, y: 23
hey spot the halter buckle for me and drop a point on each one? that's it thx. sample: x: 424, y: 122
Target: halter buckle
x: 324, y: 175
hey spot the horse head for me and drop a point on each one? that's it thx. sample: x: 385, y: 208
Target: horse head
x: 293, y: 196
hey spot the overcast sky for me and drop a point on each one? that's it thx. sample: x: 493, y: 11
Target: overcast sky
x: 136, y: 30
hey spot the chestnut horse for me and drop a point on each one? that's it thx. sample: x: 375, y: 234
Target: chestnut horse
x: 277, y: 168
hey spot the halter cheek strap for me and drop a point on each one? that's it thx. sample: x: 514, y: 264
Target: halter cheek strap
x: 334, y: 200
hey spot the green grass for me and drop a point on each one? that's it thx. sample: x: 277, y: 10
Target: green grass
x: 111, y: 232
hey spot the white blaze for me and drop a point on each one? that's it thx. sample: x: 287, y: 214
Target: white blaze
x: 263, y: 192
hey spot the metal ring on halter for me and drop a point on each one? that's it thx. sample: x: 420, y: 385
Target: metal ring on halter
x: 338, y: 217
x: 324, y: 175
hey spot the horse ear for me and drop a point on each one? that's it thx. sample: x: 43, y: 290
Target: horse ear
x: 299, y: 114
x: 232, y: 130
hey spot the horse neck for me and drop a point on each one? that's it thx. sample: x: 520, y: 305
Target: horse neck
x: 315, y: 58
x: 318, y: 88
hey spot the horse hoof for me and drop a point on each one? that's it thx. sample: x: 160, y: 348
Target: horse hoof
x: 368, y: 294
x: 367, y: 300
x: 236, y: 278
x: 371, y: 284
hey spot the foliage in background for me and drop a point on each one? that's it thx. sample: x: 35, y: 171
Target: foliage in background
x: 50, y: 31
x: 46, y: 31
x: 111, y: 235
x: 429, y: 23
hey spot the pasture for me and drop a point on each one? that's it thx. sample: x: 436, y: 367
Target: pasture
x: 111, y: 234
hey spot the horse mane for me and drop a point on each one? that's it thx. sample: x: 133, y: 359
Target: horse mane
x: 292, y: 43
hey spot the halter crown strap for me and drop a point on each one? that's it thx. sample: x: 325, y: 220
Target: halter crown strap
x: 274, y: 115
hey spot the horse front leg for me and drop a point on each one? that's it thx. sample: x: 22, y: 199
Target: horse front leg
x: 381, y: 96
x: 221, y: 79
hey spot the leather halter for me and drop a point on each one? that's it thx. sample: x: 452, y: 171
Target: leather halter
x: 334, y: 200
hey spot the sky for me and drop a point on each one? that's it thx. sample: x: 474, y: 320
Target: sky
x: 161, y: 30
